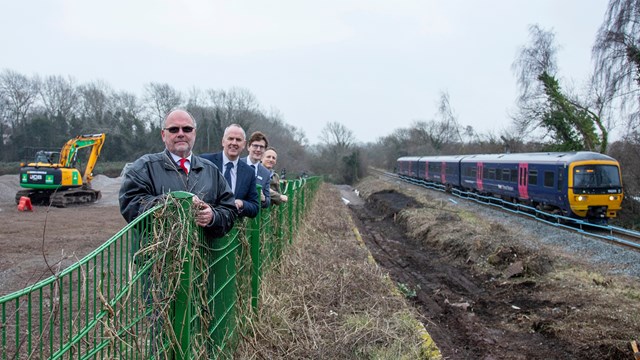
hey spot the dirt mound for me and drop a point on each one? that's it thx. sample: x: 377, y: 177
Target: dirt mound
x: 489, y: 291
x: 9, y: 185
x: 391, y: 202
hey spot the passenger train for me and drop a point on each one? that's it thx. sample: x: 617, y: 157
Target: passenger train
x: 584, y: 185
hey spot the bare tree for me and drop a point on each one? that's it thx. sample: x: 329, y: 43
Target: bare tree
x: 617, y: 56
x: 125, y: 102
x: 59, y: 96
x: 95, y: 101
x: 447, y: 124
x: 234, y: 106
x: 19, y: 94
x: 538, y: 57
x: 196, y: 97
x: 160, y: 99
x: 337, y: 155
x: 337, y: 136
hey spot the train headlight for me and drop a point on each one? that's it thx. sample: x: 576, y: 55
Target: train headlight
x: 581, y: 198
x: 613, y: 197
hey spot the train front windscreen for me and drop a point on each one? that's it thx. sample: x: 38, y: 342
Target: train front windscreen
x: 596, y: 179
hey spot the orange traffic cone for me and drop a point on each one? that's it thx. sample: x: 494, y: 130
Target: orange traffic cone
x: 25, y: 204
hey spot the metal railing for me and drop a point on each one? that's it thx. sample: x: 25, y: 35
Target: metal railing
x: 607, y: 232
x: 156, y: 289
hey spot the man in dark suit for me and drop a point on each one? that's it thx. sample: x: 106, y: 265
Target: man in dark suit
x: 257, y: 144
x: 239, y: 175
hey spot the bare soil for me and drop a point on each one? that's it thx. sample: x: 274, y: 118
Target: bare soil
x: 485, y: 292
x: 36, y: 244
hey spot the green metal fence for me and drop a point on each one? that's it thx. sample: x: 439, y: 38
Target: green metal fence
x: 157, y: 289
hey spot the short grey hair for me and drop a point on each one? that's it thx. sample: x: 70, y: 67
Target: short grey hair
x: 226, y: 130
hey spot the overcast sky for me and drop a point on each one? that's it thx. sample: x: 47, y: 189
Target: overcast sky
x: 374, y: 66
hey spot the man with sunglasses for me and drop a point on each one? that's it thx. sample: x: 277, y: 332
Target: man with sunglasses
x: 238, y: 174
x: 148, y: 180
x: 257, y: 144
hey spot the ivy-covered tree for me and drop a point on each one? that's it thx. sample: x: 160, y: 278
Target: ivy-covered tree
x: 569, y: 125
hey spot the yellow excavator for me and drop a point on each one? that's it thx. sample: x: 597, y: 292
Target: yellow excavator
x: 54, y: 179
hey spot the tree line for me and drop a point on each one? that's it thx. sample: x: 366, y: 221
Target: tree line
x: 44, y: 112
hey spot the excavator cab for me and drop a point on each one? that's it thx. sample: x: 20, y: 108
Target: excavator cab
x: 49, y: 157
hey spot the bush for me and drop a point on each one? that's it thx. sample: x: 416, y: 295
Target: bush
x: 7, y: 168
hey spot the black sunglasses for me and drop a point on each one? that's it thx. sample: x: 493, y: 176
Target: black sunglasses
x: 175, y: 129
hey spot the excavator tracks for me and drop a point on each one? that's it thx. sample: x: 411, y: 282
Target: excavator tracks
x: 61, y: 198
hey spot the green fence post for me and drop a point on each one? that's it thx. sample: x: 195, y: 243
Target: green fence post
x: 181, y: 321
x: 298, y: 201
x: 223, y: 277
x: 280, y: 230
x: 292, y: 200
x: 254, y: 228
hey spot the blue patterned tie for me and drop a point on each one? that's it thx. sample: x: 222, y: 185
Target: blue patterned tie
x: 227, y: 172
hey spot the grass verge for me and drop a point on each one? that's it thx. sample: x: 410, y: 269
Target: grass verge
x: 326, y: 299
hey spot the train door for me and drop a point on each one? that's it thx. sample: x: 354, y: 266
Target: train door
x: 426, y: 170
x: 479, y: 173
x: 561, y: 189
x: 523, y: 179
x: 443, y: 173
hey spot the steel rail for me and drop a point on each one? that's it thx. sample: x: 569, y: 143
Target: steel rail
x: 606, y: 232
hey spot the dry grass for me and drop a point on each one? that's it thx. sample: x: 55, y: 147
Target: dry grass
x: 167, y: 243
x: 327, y: 300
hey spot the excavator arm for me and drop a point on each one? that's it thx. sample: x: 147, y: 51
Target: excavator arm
x: 69, y: 153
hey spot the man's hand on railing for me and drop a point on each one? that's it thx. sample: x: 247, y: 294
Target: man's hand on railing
x: 204, y: 213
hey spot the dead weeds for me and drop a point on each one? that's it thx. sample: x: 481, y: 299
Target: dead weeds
x: 327, y: 300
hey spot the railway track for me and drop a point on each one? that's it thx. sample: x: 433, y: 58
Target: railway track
x: 620, y: 236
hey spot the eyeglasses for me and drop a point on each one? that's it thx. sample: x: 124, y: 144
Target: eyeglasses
x: 257, y: 147
x: 175, y: 129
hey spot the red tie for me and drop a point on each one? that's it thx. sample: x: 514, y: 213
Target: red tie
x: 183, y: 166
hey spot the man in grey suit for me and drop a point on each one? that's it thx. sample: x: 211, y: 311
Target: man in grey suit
x: 240, y: 176
x: 256, y: 145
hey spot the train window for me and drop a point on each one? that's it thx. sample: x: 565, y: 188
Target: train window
x: 485, y: 173
x: 474, y: 172
x: 596, y: 176
x: 492, y: 174
x: 514, y: 175
x: 548, y: 178
x: 533, y: 177
x: 506, y: 175
x: 450, y: 169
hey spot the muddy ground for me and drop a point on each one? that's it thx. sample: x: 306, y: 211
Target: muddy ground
x: 484, y: 292
x: 36, y: 244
